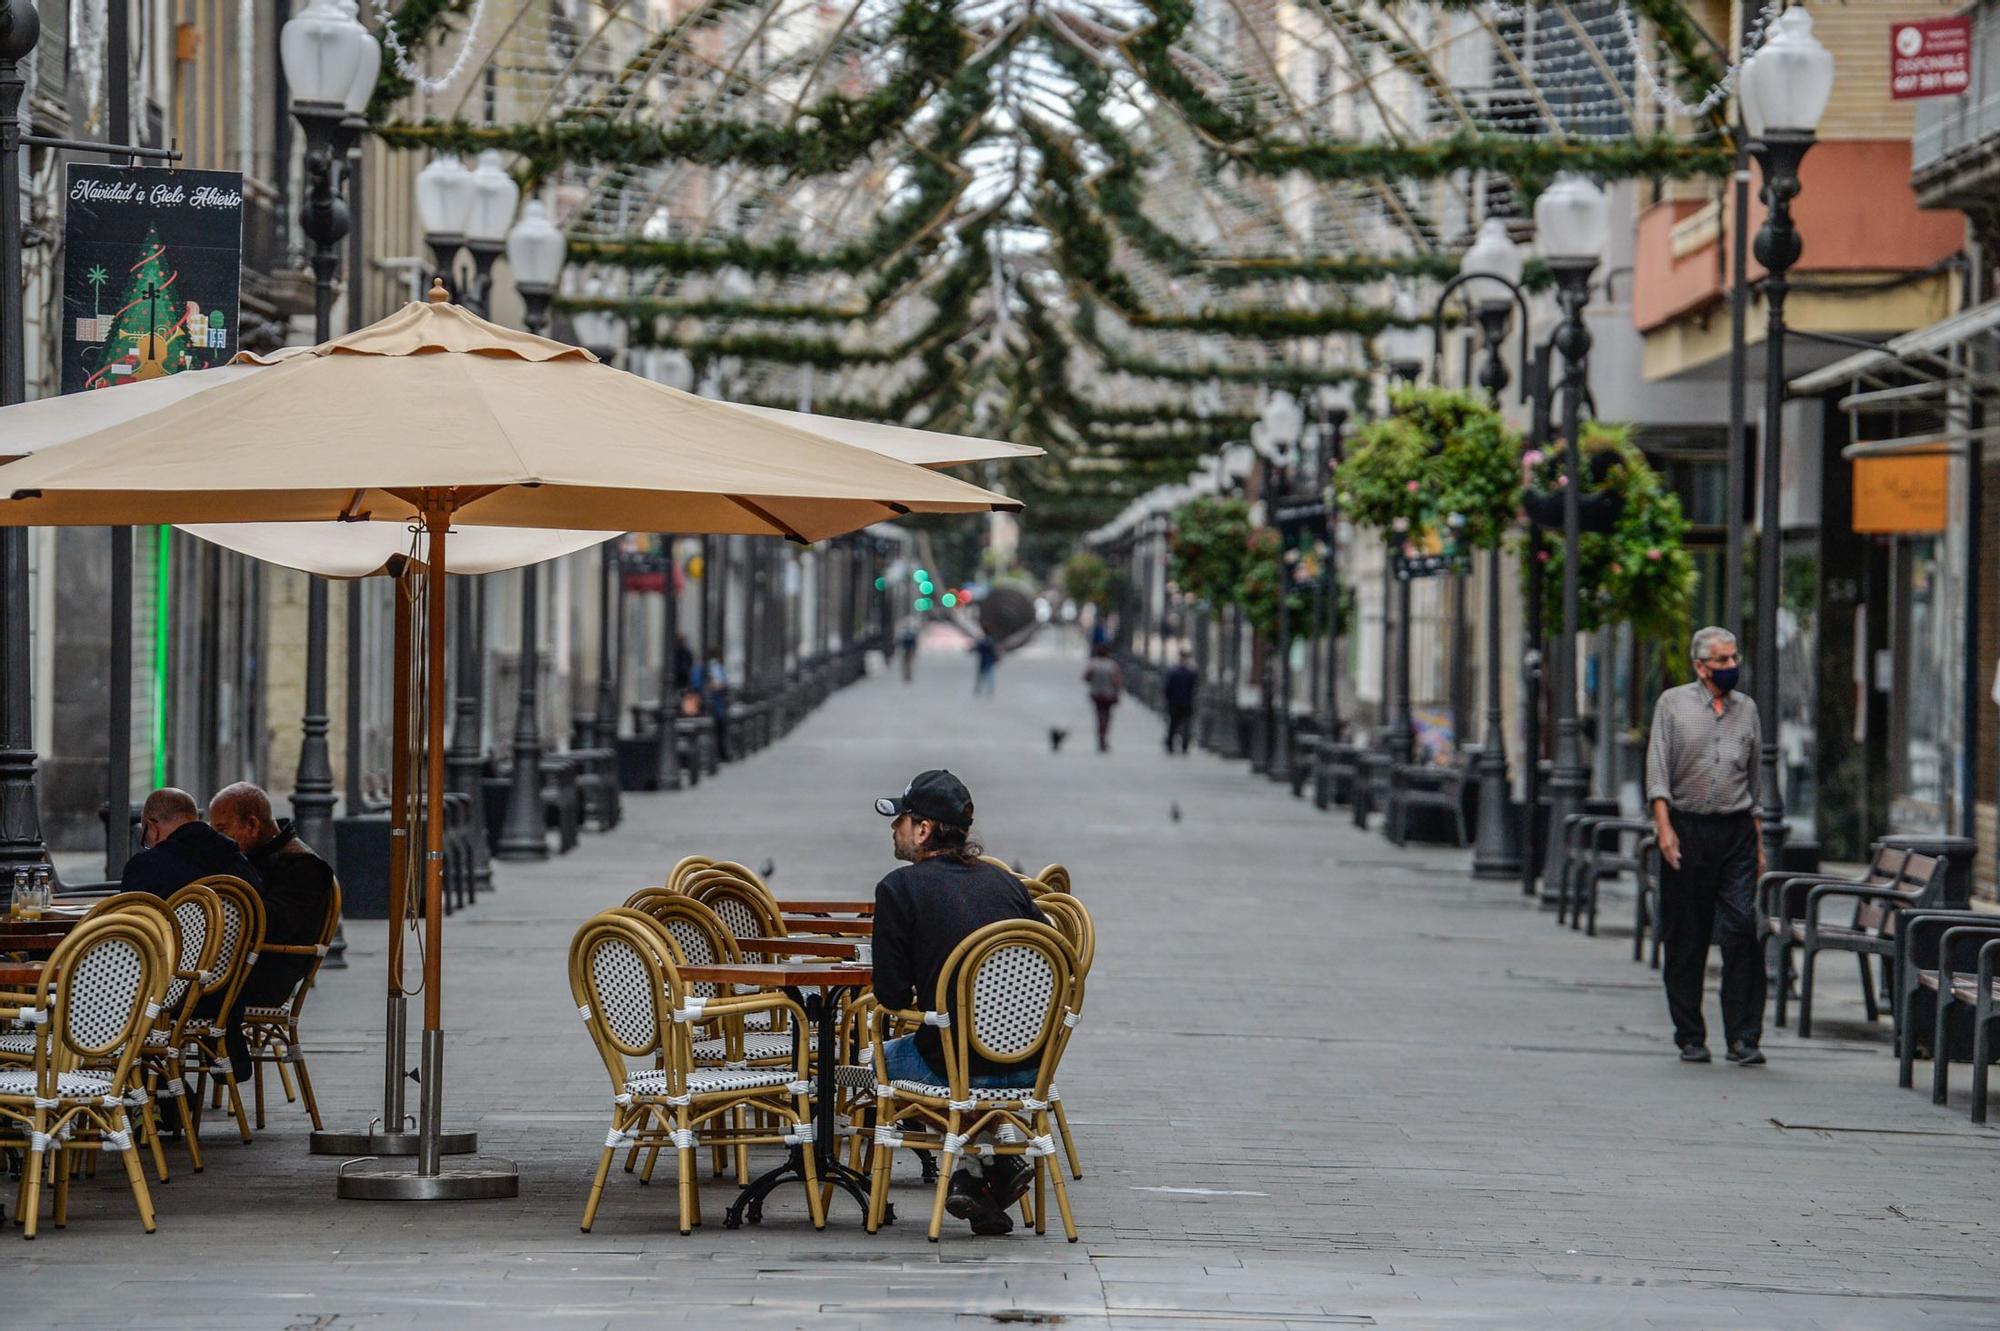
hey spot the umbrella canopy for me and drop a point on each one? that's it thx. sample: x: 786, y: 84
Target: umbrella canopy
x: 922, y: 448
x: 434, y: 407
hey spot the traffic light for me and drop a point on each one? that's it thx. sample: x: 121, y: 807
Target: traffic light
x: 923, y: 604
x: 949, y: 600
x: 881, y: 584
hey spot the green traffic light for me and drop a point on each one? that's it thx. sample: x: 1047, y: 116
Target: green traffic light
x: 921, y: 575
x: 881, y: 584
x: 923, y: 603
x: 926, y: 587
x: 949, y: 600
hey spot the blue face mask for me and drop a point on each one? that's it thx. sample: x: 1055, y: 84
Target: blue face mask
x: 1725, y: 678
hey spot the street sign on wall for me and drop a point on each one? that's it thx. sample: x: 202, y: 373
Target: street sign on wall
x: 1899, y: 495
x: 152, y: 266
x: 1930, y: 57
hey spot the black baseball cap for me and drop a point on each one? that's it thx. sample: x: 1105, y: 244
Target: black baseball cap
x: 936, y: 795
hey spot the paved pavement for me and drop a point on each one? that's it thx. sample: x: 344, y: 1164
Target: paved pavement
x: 1322, y: 1082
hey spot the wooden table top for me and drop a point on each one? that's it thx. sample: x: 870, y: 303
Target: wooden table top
x: 40, y: 935
x: 20, y: 974
x: 800, y: 947
x: 822, y: 924
x: 783, y: 974
x: 797, y: 906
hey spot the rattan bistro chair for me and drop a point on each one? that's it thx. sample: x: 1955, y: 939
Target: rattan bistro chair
x: 1008, y: 992
x: 271, y: 1033
x: 1056, y: 877
x: 196, y: 914
x: 628, y: 990
x: 94, y: 1005
x: 687, y: 864
x: 242, y: 934
x: 1074, y: 923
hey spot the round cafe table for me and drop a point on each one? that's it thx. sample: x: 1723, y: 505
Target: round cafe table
x: 19, y: 975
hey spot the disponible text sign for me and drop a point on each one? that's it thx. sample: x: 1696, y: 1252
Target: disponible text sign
x: 1930, y: 57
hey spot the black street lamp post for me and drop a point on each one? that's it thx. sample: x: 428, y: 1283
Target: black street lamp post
x: 20, y: 811
x: 1491, y: 274
x: 1783, y: 89
x: 329, y: 79
x: 1571, y: 225
x: 524, y: 834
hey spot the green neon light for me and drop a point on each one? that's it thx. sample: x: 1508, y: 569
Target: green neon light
x: 163, y: 560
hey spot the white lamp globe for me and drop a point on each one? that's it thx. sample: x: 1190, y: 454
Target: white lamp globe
x: 535, y: 246
x: 369, y: 68
x: 444, y: 196
x: 321, y: 51
x: 1572, y: 220
x: 1493, y: 255
x: 494, y: 195
x: 1785, y: 87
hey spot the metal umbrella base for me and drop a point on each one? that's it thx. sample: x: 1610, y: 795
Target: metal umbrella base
x: 374, y: 1142
x: 372, y: 1180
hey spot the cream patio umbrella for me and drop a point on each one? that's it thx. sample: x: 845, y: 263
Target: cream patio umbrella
x: 429, y: 416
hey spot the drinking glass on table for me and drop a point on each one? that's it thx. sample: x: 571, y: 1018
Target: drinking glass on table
x: 23, y: 895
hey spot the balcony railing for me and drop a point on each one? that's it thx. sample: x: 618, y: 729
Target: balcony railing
x: 1949, y: 129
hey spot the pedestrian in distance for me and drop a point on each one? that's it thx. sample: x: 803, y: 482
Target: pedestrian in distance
x: 1179, y: 690
x: 906, y: 645
x: 1701, y: 785
x: 713, y: 681
x: 988, y: 652
x: 1104, y: 682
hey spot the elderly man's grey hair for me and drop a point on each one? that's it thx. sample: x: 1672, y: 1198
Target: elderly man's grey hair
x: 1707, y: 640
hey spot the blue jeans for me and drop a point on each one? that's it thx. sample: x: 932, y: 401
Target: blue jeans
x: 905, y: 1062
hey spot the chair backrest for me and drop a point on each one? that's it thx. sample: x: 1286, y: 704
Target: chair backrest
x: 1915, y: 881
x: 242, y: 932
x: 1056, y: 877
x: 197, y: 917
x: 745, y: 909
x: 684, y: 866
x: 616, y: 978
x: 101, y: 990
x: 1008, y: 988
x: 638, y: 900
x: 1073, y: 922
x: 698, y: 933
x: 1888, y: 865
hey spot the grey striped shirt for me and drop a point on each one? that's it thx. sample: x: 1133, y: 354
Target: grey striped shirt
x: 1699, y: 761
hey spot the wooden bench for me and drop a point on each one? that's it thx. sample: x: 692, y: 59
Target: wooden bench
x: 1594, y: 848
x: 1781, y: 901
x: 1870, y: 929
x: 1966, y: 987
x: 1920, y: 958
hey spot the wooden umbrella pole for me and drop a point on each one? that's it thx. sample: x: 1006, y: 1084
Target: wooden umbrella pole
x: 437, y: 519
x: 399, y: 857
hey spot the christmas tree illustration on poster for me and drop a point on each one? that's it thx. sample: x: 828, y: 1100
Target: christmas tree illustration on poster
x: 152, y: 267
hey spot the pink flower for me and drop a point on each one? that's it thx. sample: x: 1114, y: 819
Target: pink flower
x: 1542, y: 556
x: 1532, y: 458
x: 1562, y: 481
x: 1409, y: 550
x: 1617, y: 568
x: 1654, y: 554
x: 1412, y: 487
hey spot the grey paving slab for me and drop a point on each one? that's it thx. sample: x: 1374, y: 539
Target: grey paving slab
x: 1322, y: 1082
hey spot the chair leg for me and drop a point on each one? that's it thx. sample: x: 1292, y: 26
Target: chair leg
x: 686, y: 1158
x: 61, y: 1210
x: 30, y: 1212
x: 1590, y: 923
x: 236, y: 1106
x: 187, y: 1127
x: 285, y: 1076
x: 878, y: 1177
x: 1940, y: 1050
x: 151, y: 1113
x: 1868, y: 987
x: 1639, y: 923
x: 135, y: 1175
x: 1808, y: 957
x: 947, y: 1163
x: 1062, y: 1189
x: 1982, y: 1021
x: 1784, y: 984
x: 1069, y: 1142
x: 597, y: 1185
x: 305, y: 1082
x: 816, y: 1197
x: 258, y: 1090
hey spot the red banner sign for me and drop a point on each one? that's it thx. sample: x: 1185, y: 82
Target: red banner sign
x: 1930, y: 58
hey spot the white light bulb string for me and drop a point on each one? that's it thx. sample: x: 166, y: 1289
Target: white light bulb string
x: 407, y: 67
x: 1662, y: 90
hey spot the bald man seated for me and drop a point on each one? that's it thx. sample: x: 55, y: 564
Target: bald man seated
x: 297, y: 889
x: 180, y: 848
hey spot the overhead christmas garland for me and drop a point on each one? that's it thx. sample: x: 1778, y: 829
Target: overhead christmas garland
x: 821, y: 138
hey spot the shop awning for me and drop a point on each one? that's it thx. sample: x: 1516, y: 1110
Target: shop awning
x: 1899, y: 352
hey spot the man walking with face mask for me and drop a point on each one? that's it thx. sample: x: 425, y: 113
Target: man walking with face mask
x: 1701, y: 785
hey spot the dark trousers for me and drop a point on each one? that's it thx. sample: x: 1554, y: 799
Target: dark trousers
x: 1712, y: 898
x: 1179, y: 723
x: 1104, y: 706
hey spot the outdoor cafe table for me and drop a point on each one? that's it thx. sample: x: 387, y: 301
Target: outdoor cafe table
x: 817, y: 987
x: 797, y: 906
x: 20, y: 975
x: 837, y: 948
x: 41, y: 935
x: 821, y: 924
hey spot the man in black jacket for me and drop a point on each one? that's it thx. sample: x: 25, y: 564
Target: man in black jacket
x: 297, y: 889
x: 1179, y: 690
x: 180, y: 848
x: 922, y: 911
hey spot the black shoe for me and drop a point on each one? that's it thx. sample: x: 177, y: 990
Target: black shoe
x: 968, y: 1199
x: 1008, y: 1181
x: 1745, y: 1055
x: 1694, y: 1053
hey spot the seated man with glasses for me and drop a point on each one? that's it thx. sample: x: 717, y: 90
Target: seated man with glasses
x: 923, y: 910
